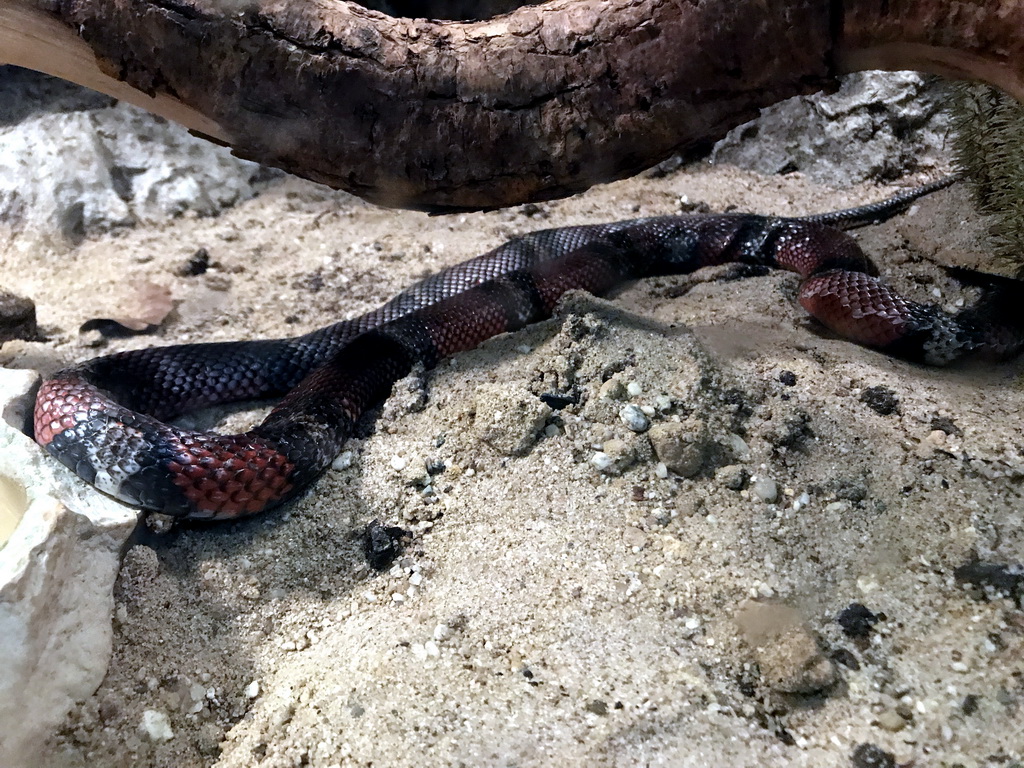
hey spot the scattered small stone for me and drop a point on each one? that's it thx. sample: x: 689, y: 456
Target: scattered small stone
x: 845, y: 657
x: 634, y: 418
x: 382, y: 544
x: 681, y: 446
x: 597, y: 707
x: 613, y: 389
x: 252, y: 690
x: 155, y: 727
x: 891, y: 721
x: 970, y: 704
x: 946, y: 425
x: 509, y: 422
x: 765, y: 489
x: 737, y: 447
x: 614, y: 457
x: 881, y: 400
x: 856, y: 620
x: 557, y: 400
x: 872, y: 756
x: 634, y: 390
x: 733, y: 476
x: 196, y: 265
x: 788, y: 378
x: 849, y: 490
x: 343, y: 460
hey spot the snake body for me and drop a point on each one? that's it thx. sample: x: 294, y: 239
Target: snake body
x: 106, y: 418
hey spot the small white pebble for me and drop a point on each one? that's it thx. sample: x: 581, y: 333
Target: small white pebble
x: 633, y: 389
x: 431, y: 648
x: 601, y: 460
x: 344, y: 460
x: 252, y: 690
x: 416, y: 579
x: 765, y: 489
x: 442, y: 632
x: 660, y: 470
x: 958, y: 666
x: 399, y: 463
x: 155, y: 727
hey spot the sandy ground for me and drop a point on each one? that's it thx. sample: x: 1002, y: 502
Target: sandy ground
x: 546, y: 612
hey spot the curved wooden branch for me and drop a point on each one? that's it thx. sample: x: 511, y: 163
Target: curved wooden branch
x: 536, y: 104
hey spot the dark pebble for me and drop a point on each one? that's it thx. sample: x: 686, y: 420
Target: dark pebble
x: 946, y: 425
x: 872, y: 756
x: 559, y: 401
x: 17, y: 318
x: 881, y: 400
x: 382, y: 544
x: 788, y: 378
x: 197, y: 265
x: 846, y: 658
x: 856, y: 620
x: 970, y: 704
x: 597, y: 707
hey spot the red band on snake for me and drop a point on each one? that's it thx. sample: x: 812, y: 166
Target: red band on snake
x: 105, y: 419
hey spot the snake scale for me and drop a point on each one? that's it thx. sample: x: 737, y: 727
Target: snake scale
x: 106, y: 418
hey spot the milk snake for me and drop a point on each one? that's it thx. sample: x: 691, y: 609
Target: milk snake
x: 105, y: 418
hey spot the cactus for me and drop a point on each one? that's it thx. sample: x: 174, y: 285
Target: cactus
x: 988, y: 144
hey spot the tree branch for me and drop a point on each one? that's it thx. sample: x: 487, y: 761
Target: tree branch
x: 536, y: 104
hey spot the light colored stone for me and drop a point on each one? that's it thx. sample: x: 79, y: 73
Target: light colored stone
x: 57, y: 571
x: 785, y: 648
x: 681, y: 446
x: 98, y: 169
x: 155, y: 727
x: 509, y: 421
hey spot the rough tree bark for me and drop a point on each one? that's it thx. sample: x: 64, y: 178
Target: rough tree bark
x: 537, y: 104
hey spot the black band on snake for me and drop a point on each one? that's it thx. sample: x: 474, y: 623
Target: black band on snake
x: 105, y: 419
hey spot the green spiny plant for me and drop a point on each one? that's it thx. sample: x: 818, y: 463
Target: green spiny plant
x: 989, y: 149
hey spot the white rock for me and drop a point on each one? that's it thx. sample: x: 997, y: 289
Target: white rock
x: 57, y: 571
x: 765, y: 489
x: 96, y: 169
x: 155, y: 726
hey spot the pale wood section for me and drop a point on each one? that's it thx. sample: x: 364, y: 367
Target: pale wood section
x: 32, y: 38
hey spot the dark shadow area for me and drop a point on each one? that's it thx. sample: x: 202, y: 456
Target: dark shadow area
x: 455, y: 10
x: 24, y: 93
